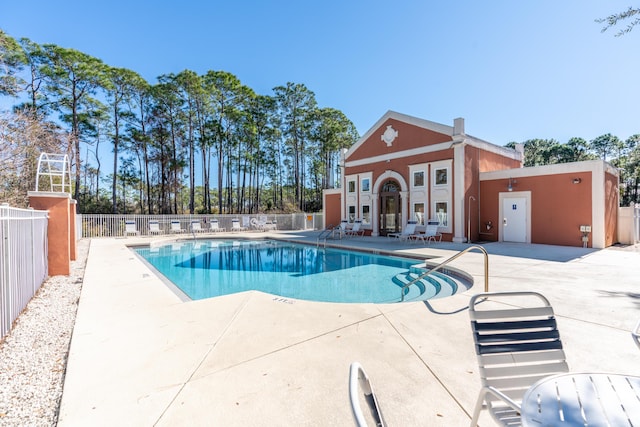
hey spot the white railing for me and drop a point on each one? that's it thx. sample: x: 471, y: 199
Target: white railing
x: 23, y: 260
x: 99, y: 225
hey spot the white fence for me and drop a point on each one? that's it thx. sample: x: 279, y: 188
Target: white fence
x: 636, y: 223
x: 97, y: 225
x: 629, y: 224
x: 23, y: 260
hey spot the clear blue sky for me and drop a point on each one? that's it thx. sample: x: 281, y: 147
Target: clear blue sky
x: 514, y: 69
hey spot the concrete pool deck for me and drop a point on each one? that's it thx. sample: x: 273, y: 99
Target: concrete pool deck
x: 141, y: 357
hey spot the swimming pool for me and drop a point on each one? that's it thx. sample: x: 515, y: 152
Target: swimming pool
x: 209, y: 268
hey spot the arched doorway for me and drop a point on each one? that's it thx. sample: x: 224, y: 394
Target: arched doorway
x: 390, y: 207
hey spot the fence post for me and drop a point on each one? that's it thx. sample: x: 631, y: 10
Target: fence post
x: 33, y: 251
x: 5, y: 300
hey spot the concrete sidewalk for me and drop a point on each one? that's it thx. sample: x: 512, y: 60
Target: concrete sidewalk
x: 141, y: 357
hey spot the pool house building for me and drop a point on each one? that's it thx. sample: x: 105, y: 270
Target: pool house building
x: 410, y: 169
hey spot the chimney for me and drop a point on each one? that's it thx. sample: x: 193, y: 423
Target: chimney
x: 520, y: 149
x: 458, y: 126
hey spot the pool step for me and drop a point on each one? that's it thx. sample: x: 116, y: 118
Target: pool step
x: 436, y: 285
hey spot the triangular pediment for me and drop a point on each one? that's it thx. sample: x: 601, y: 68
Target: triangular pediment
x: 395, y: 132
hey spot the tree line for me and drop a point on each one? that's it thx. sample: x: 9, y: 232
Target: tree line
x: 252, y: 153
x: 248, y: 152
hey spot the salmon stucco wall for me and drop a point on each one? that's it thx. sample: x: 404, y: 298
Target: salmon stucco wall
x: 488, y: 161
x: 558, y: 207
x: 476, y: 161
x: 58, y: 231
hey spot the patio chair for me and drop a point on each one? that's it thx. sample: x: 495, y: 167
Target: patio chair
x: 341, y: 230
x: 176, y: 227
x: 246, y: 222
x: 254, y: 224
x: 515, y: 347
x: 636, y: 334
x: 214, y: 226
x: 235, y: 225
x: 130, y: 228
x: 196, y: 227
x: 431, y: 233
x: 154, y: 227
x: 408, y: 232
x: 355, y: 230
x: 265, y: 224
x: 358, y: 379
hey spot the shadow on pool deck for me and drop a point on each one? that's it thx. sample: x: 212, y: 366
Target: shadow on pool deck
x: 141, y: 357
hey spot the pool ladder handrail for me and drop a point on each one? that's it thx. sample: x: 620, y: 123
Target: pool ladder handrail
x: 447, y: 261
x: 325, y: 234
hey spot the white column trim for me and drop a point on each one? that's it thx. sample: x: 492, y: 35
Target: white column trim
x: 458, y: 193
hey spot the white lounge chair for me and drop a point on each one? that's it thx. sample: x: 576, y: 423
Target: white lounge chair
x: 407, y: 233
x: 356, y: 230
x: 196, y: 226
x: 154, y: 227
x: 253, y: 224
x: 235, y: 225
x: 431, y: 233
x: 265, y: 224
x: 340, y: 230
x: 517, y: 343
x: 214, y: 226
x: 176, y: 227
x: 246, y: 222
x: 359, y: 381
x: 636, y: 334
x: 130, y: 228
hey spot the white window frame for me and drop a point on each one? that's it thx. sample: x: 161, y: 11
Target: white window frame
x: 435, y: 175
x: 435, y: 215
x: 350, y: 219
x: 415, y: 217
x: 362, y: 216
x: 413, y: 179
x: 362, y: 186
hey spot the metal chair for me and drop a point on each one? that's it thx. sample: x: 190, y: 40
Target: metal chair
x: 196, y: 226
x: 130, y: 228
x: 406, y: 234
x: 176, y: 227
x: 214, y: 226
x: 154, y: 227
x: 515, y: 347
x: 356, y: 230
x: 358, y: 380
x: 431, y: 232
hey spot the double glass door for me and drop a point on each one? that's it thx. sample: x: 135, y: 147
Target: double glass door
x: 390, y: 209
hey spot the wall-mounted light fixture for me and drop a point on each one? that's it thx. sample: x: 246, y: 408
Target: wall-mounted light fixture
x: 577, y: 180
x: 510, y: 185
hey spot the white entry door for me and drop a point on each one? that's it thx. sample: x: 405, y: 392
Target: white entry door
x: 514, y: 219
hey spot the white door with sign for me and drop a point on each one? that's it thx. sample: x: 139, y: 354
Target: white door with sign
x: 515, y: 219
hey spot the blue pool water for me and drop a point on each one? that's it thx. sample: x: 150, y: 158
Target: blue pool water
x: 210, y: 268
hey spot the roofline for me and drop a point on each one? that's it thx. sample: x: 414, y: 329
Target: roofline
x: 435, y: 127
x: 556, y: 168
x: 425, y: 124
